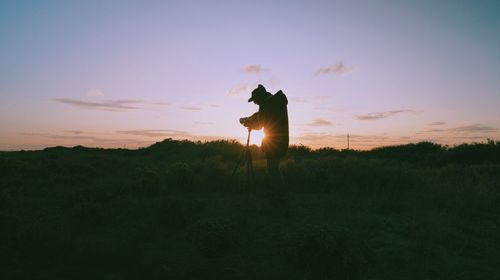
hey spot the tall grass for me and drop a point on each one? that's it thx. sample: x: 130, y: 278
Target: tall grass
x: 173, y: 211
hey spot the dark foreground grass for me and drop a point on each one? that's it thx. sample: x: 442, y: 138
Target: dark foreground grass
x: 172, y: 211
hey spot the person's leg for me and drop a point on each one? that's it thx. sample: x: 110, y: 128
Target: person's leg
x: 274, y: 175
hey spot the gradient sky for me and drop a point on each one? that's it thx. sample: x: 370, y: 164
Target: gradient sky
x: 130, y: 73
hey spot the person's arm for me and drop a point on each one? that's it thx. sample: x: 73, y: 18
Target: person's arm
x: 254, y: 121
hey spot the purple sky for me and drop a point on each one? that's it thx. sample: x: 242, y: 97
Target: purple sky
x: 128, y: 74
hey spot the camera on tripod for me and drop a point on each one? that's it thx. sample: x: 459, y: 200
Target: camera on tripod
x: 244, y: 121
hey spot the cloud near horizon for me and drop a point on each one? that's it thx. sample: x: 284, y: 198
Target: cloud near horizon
x: 338, y: 68
x: 320, y: 122
x: 74, y: 131
x: 311, y: 99
x: 168, y: 133
x: 381, y: 115
x: 191, y: 108
x: 239, y: 89
x: 436, y: 123
x: 253, y: 68
x: 86, y: 139
x: 59, y: 136
x: 119, y: 105
x: 474, y: 128
x: 95, y: 92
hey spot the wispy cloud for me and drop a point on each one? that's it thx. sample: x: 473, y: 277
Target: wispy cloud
x: 253, y: 68
x: 60, y: 136
x: 86, y: 139
x: 300, y: 99
x: 110, y: 105
x: 474, y: 128
x: 166, y: 133
x: 119, y: 105
x: 338, y: 68
x: 191, y: 108
x: 364, y: 137
x: 436, y: 123
x: 94, y: 92
x: 74, y: 131
x: 309, y: 99
x: 319, y: 137
x: 239, y: 89
x: 320, y: 122
x: 160, y: 103
x: 381, y: 115
x: 459, y: 134
x: 330, y: 109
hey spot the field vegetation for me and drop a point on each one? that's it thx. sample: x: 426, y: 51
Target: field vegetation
x: 174, y: 211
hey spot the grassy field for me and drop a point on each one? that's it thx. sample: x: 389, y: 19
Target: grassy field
x: 173, y: 211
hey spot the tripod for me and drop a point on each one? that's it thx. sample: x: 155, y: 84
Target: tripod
x: 249, y: 164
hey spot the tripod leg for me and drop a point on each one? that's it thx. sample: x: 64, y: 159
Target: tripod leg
x: 253, y: 176
x: 250, y: 173
x: 240, y: 159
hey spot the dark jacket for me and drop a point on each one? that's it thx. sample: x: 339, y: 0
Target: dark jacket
x: 273, y: 116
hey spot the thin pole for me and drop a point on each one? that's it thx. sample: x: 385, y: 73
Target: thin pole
x: 348, y: 141
x: 244, y: 155
x: 250, y: 174
x: 248, y: 138
x: 248, y: 156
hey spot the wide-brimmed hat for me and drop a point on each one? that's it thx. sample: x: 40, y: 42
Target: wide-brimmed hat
x: 260, y: 91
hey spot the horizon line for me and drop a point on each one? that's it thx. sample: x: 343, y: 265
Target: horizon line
x: 487, y: 141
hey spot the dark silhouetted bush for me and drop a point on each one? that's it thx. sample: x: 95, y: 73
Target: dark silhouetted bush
x: 180, y: 176
x: 174, y: 210
x: 320, y: 252
x: 213, y: 238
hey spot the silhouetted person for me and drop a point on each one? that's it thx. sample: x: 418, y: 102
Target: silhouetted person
x: 273, y: 117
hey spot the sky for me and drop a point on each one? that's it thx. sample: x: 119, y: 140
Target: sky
x: 130, y: 73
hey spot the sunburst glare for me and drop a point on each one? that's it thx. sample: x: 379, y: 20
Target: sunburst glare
x: 256, y: 137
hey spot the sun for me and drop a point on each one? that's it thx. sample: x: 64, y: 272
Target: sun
x: 256, y: 137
